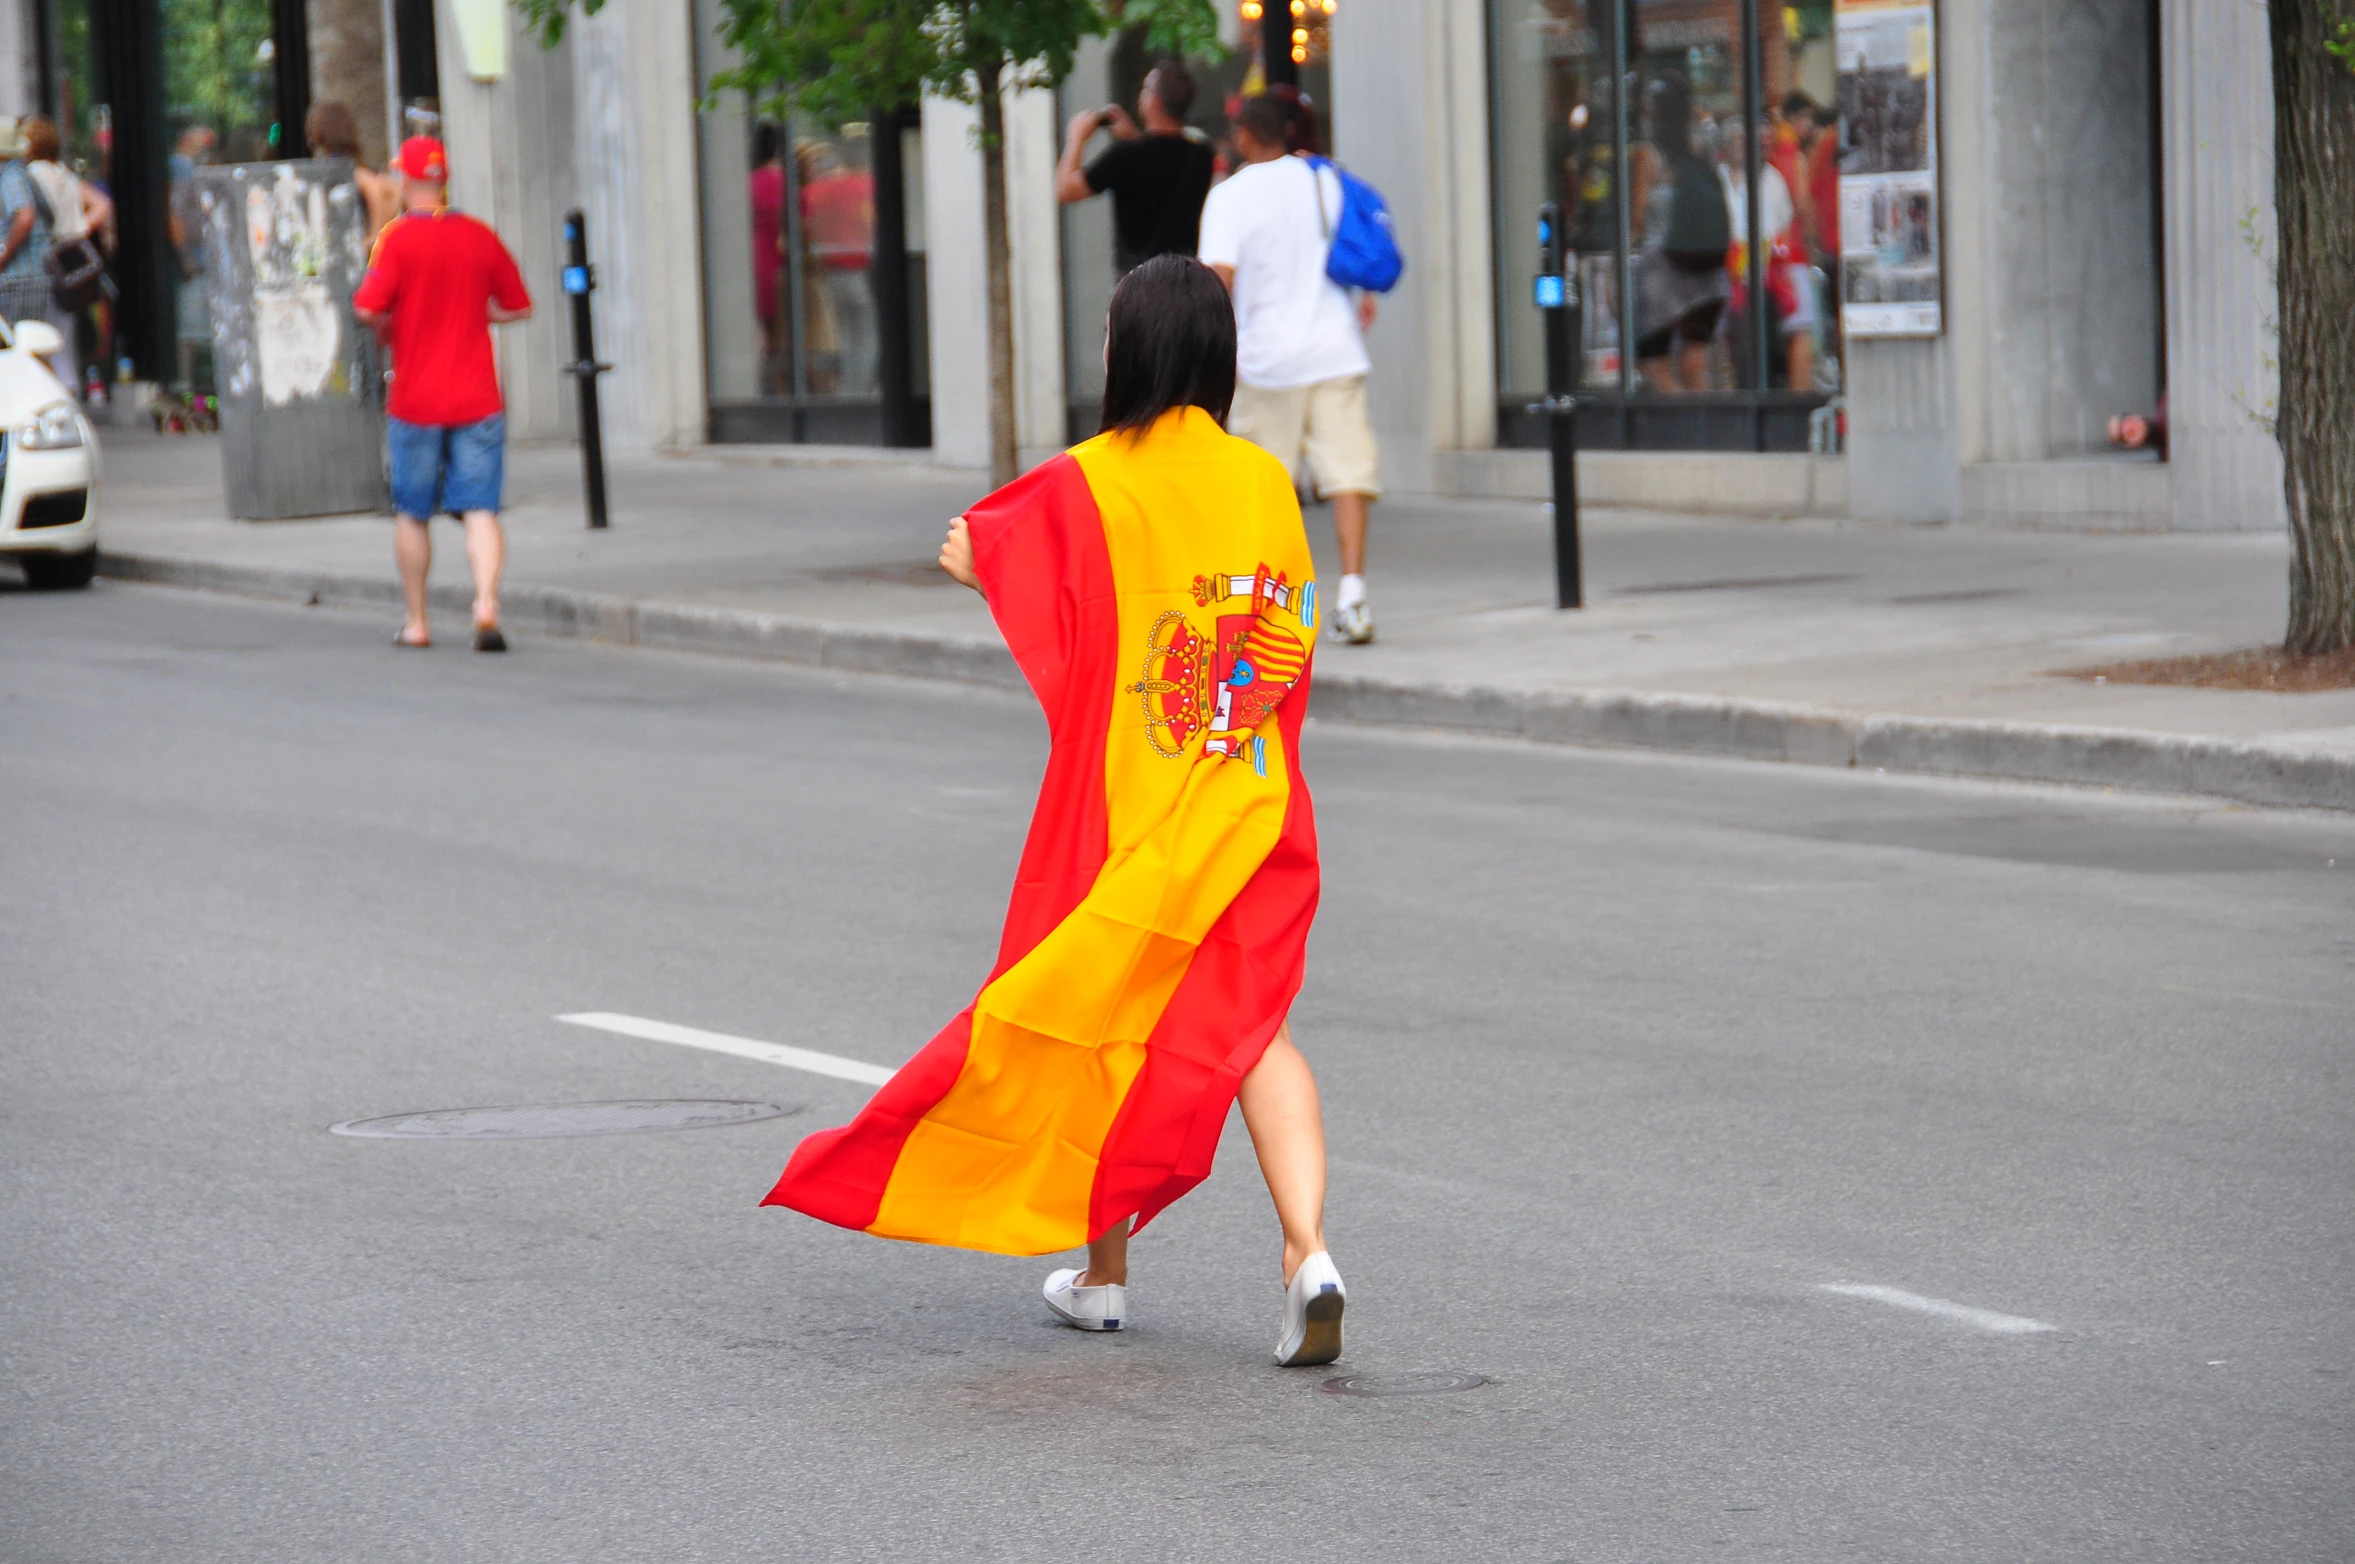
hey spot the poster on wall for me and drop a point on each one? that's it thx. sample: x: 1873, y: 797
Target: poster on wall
x: 1889, y: 252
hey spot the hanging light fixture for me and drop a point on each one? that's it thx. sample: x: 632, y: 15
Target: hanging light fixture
x: 1310, y: 30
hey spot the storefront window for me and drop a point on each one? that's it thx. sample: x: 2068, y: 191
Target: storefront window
x: 813, y: 261
x: 219, y: 104
x: 1725, y: 122
x: 221, y: 95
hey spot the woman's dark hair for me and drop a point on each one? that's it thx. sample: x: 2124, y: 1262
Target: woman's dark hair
x: 1169, y: 342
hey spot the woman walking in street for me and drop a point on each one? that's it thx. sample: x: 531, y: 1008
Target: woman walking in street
x: 1155, y: 585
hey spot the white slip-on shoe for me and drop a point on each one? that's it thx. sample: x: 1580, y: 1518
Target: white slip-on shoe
x: 1312, y: 1314
x: 1088, y: 1308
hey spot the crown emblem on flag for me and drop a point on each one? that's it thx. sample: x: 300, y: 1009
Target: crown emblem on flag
x: 1175, y: 689
x: 1229, y: 681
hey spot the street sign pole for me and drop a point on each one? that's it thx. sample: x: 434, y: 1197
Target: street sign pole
x: 580, y: 280
x: 1558, y: 303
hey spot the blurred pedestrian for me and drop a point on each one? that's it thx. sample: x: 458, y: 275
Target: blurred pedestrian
x: 1790, y: 297
x: 436, y: 284
x: 81, y: 221
x: 24, y: 282
x: 330, y: 131
x: 764, y: 189
x: 1301, y: 360
x: 1157, y: 168
x: 1679, y: 205
x: 1159, y: 924
x: 838, y: 227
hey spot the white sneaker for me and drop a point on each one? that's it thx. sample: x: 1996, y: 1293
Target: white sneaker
x: 1088, y: 1308
x: 1354, y: 624
x: 1312, y: 1314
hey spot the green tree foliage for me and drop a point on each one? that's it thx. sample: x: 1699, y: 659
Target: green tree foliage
x: 217, y: 73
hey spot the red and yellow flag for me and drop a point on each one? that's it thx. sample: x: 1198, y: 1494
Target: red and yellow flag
x: 1158, y: 593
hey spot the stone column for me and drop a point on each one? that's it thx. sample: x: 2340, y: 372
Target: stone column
x: 2217, y: 98
x: 20, y: 65
x: 2050, y: 268
x: 511, y: 165
x: 1035, y: 230
x: 956, y: 297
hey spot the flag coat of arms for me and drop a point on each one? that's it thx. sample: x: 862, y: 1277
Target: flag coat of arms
x: 1158, y: 593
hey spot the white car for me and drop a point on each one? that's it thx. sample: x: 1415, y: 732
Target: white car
x: 48, y: 464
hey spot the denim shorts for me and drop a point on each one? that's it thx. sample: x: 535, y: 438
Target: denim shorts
x: 454, y: 468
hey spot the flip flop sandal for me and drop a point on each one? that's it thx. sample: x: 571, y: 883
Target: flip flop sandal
x: 401, y: 640
x: 488, y: 639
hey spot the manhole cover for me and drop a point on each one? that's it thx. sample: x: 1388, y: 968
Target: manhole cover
x: 1401, y: 1384
x: 541, y: 1121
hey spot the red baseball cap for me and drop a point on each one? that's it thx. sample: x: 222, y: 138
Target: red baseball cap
x: 422, y: 158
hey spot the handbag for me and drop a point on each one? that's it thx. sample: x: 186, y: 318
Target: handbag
x: 76, y: 267
x: 77, y: 275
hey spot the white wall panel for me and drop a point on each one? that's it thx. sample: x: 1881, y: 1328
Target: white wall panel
x: 2217, y: 98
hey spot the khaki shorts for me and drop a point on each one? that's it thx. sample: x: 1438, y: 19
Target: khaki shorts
x: 1327, y: 422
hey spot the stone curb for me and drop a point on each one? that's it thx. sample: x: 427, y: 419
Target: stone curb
x: 1617, y: 719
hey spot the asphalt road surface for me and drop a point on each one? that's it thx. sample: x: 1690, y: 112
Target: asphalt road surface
x: 1813, y: 1165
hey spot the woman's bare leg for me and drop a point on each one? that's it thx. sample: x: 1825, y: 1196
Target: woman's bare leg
x: 1107, y: 1259
x: 1287, y: 1125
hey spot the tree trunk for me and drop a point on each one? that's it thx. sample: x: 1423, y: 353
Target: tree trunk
x: 1000, y: 270
x: 2314, y: 193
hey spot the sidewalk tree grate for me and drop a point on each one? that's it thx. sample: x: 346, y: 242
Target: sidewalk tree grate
x: 548, y: 1121
x: 1432, y: 1384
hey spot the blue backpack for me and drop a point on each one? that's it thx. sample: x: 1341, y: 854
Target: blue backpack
x: 1364, y: 251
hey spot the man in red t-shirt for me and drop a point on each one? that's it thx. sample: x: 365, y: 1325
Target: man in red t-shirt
x: 436, y: 284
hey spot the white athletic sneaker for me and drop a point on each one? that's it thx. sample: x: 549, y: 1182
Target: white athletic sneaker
x: 1088, y: 1308
x: 1312, y: 1314
x: 1354, y: 624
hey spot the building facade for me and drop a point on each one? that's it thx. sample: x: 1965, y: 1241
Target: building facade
x: 2064, y: 205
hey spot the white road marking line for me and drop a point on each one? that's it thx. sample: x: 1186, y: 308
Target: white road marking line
x: 742, y: 1047
x: 1961, y: 1313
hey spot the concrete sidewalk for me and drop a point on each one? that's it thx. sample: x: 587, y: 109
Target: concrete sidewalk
x: 1922, y: 649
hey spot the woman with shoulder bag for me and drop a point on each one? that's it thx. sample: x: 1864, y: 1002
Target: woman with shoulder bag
x: 24, y: 233
x: 79, y: 216
x: 1680, y: 278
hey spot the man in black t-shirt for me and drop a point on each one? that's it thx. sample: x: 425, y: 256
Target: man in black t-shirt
x: 1158, y: 174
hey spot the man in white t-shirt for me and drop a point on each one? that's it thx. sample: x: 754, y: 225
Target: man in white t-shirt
x: 1300, y: 359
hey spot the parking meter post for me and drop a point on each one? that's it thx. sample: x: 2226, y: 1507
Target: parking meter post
x: 1557, y: 302
x: 580, y: 280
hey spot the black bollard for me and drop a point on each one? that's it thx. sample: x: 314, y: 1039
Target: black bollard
x: 1557, y: 302
x: 580, y: 280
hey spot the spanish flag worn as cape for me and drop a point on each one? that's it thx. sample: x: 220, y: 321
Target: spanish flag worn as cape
x: 1158, y: 593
